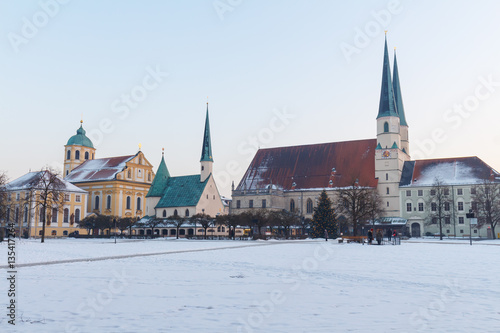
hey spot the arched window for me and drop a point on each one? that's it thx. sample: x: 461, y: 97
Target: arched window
x: 77, y: 215
x: 68, y: 155
x: 86, y: 155
x: 292, y: 205
x: 54, y: 233
x: 172, y: 232
x: 42, y: 214
x: 175, y: 212
x: 128, y: 202
x: 108, y: 202
x: 65, y: 233
x: 77, y: 155
x: 386, y: 127
x: 309, y: 206
x: 66, y: 215
x: 182, y: 231
x: 138, y: 203
x: 187, y: 212
x: 54, y: 215
x: 164, y: 213
x: 96, y: 205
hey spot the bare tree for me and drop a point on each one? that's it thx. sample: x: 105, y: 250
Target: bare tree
x: 178, y: 222
x: 3, y: 203
x: 487, y: 204
x: 89, y: 223
x: 231, y: 221
x: 48, y: 188
x: 375, y: 205
x: 151, y: 223
x: 125, y: 223
x: 284, y: 220
x: 206, y: 221
x: 440, y: 205
x: 358, y: 204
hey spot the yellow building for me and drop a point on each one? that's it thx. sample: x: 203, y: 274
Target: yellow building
x: 116, y: 185
x: 24, y: 209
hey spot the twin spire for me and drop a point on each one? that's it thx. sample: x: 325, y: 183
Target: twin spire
x: 391, y: 100
x: 206, y: 149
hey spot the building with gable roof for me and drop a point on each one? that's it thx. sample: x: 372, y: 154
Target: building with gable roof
x: 292, y: 178
x: 116, y: 185
x: 185, y: 196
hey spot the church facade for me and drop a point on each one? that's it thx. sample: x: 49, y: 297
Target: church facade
x: 292, y: 178
x: 116, y: 185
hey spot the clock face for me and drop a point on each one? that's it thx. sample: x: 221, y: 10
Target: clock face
x: 386, y: 154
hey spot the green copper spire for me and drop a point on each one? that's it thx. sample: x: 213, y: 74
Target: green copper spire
x: 160, y: 181
x: 206, y: 149
x: 397, y: 93
x: 387, y: 107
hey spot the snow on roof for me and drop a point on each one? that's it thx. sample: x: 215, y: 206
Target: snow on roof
x: 32, y: 179
x: 99, y: 169
x: 451, y: 171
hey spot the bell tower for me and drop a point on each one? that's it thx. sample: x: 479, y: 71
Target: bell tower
x: 389, y: 155
x: 206, y: 160
x: 78, y: 150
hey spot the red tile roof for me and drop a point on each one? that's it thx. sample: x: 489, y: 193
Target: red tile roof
x: 313, y: 166
x: 99, y: 169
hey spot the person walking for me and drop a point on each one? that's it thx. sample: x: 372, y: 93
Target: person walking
x: 370, y: 236
x: 389, y: 234
x: 379, y: 237
x: 326, y: 235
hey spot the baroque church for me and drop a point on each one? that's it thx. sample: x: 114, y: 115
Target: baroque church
x: 292, y: 178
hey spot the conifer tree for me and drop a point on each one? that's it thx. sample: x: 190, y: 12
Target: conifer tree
x: 324, y: 218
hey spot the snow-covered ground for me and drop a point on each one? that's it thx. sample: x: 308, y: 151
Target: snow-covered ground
x: 302, y: 286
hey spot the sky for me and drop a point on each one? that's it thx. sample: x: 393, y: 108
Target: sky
x: 275, y: 73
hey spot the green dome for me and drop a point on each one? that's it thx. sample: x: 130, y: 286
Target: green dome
x: 80, y: 139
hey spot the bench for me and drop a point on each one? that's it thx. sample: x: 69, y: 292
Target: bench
x: 350, y: 239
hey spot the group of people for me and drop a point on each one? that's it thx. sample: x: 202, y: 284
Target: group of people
x: 379, y: 236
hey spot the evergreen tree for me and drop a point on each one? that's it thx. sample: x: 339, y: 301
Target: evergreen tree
x: 324, y: 218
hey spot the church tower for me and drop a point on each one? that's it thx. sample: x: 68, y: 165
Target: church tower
x: 389, y: 155
x: 206, y: 152
x: 78, y: 150
x: 398, y: 98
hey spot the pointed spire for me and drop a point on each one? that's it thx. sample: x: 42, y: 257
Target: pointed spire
x: 206, y: 149
x: 398, y: 98
x: 160, y: 181
x: 387, y: 105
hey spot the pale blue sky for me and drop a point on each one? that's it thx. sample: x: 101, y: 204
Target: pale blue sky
x: 261, y: 56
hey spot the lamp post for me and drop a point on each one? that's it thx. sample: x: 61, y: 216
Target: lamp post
x: 472, y: 220
x: 114, y: 222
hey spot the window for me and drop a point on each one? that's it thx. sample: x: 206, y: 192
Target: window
x: 433, y: 192
x: 25, y: 214
x: 461, y: 231
x: 187, y: 212
x: 461, y: 220
x: 78, y: 198
x: 387, y: 203
x: 68, y: 155
x: 473, y: 190
x: 202, y: 168
x: 86, y: 155
x: 129, y: 173
x: 420, y: 193
x: 447, y: 220
x: 475, y: 231
x: 164, y: 213
x: 139, y: 204
x: 386, y: 176
x: 175, y: 213
x: 108, y: 202
x: 65, y: 233
x: 460, y: 205
x: 42, y: 214
x: 66, y: 215
x: 207, y: 196
x: 149, y: 176
x: 408, y: 206
x: 250, y: 204
x: 77, y: 155
x: 54, y: 233
x: 386, y: 127
x: 66, y: 197
x: 292, y: 205
x: 434, y: 206
x: 218, y: 229
x: 77, y: 215
x: 238, y: 204
x: 446, y: 191
x: 18, y: 196
x: 408, y: 193
x: 473, y: 205
x: 96, y: 204
x: 67, y: 172
x: 460, y: 191
x: 420, y: 206
x: 447, y: 231
x: 434, y: 220
x: 128, y: 202
x: 17, y: 215
x: 139, y: 173
x: 447, y: 206
x: 309, y: 206
x: 263, y: 203
x: 387, y: 190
